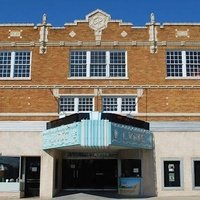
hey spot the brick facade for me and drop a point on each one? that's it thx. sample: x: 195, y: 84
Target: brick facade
x: 146, y: 70
x: 170, y: 104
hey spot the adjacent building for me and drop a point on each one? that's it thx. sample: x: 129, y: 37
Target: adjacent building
x: 100, y: 104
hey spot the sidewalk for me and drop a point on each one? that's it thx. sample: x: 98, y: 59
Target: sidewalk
x: 84, y: 196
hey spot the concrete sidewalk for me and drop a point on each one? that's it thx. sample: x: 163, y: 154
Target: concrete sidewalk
x: 86, y: 196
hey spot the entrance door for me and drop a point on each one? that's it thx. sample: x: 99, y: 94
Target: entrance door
x: 89, y: 174
x: 32, y: 177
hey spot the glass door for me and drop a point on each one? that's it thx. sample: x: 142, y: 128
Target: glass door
x: 32, y: 176
x: 89, y: 174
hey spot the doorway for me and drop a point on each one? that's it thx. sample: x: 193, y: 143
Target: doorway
x: 32, y: 176
x: 89, y: 174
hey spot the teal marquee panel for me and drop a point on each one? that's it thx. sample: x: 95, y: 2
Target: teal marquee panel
x: 97, y: 134
x: 62, y: 136
x: 129, y: 136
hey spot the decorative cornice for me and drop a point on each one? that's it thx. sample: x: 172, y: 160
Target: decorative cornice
x: 101, y: 43
x: 87, y: 19
x: 164, y: 114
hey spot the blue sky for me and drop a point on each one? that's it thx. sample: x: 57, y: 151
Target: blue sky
x: 64, y: 11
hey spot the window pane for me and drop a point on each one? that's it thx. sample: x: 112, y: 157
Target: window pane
x: 98, y: 57
x: 193, y: 63
x: 131, y: 168
x: 85, y: 104
x: 117, y: 64
x: 174, y: 63
x: 67, y: 104
x: 172, y: 174
x: 5, y: 64
x: 128, y: 104
x: 110, y: 104
x: 9, y: 169
x: 98, y: 63
x: 78, y: 64
x: 22, y: 64
x: 98, y: 70
x: 197, y: 173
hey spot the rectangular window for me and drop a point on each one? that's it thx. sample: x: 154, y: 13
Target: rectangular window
x: 183, y: 63
x: 98, y: 64
x: 78, y: 63
x: 85, y: 104
x: 15, y: 64
x: 131, y: 168
x: 117, y: 64
x: 196, y: 173
x: 172, y: 174
x: 76, y: 104
x: 119, y: 104
x: 110, y: 104
x: 9, y: 169
x: 128, y: 104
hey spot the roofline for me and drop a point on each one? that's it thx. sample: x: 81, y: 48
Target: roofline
x: 181, y: 24
x: 17, y: 24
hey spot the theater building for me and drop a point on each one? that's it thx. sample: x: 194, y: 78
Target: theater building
x: 100, y: 105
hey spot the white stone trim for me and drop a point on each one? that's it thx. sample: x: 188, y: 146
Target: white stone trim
x: 168, y: 114
x: 175, y: 126
x: 101, y: 43
x: 77, y: 95
x: 23, y: 126
x: 16, y: 24
x: 100, y: 86
x: 156, y: 23
x: 121, y: 23
x: 139, y: 27
x: 181, y: 24
x: 29, y: 114
x: 94, y: 12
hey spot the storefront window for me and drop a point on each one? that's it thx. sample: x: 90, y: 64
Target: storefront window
x: 197, y: 173
x: 9, y: 169
x: 131, y: 168
x: 172, y: 174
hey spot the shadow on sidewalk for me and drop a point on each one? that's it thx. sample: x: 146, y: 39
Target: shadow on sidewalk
x: 95, y: 195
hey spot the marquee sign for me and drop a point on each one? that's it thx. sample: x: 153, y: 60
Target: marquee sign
x: 97, y: 134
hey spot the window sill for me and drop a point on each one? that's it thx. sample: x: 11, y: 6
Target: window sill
x: 99, y: 78
x: 182, y: 78
x: 15, y: 79
x: 173, y: 188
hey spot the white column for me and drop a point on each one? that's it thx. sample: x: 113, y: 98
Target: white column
x: 47, y: 175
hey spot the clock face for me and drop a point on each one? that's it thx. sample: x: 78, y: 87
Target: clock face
x: 98, y: 21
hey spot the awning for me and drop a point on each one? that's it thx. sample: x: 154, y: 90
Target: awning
x: 97, y: 133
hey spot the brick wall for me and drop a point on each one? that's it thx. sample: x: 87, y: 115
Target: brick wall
x: 145, y: 69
